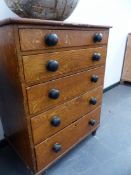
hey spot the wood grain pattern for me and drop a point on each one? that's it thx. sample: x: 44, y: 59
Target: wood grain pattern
x: 11, y: 98
x: 126, y: 75
x: 26, y: 108
x: 33, y: 39
x: 68, y: 113
x: 48, y: 23
x: 69, y: 87
x: 69, y: 61
x: 66, y: 137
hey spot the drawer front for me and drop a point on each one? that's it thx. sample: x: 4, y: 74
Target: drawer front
x: 47, y: 95
x: 58, y: 144
x: 51, y: 65
x: 35, y: 39
x: 54, y: 120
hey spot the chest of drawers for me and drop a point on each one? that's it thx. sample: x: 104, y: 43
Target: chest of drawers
x: 126, y: 72
x: 51, y: 83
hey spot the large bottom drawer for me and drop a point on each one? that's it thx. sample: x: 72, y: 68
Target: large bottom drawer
x: 55, y: 146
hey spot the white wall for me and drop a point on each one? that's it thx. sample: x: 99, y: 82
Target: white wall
x: 4, y: 11
x: 115, y: 13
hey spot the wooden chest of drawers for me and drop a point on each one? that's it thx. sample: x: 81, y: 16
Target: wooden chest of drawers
x: 126, y: 72
x: 51, y: 83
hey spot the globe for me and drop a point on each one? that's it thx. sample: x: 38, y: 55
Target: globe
x: 42, y: 9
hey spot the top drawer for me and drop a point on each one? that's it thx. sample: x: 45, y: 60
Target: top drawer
x: 37, y: 39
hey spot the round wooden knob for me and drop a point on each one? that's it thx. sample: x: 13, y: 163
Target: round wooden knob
x: 54, y: 94
x: 98, y: 37
x: 94, y: 78
x: 56, y: 147
x: 96, y: 57
x: 52, y: 65
x: 92, y: 122
x: 93, y: 101
x: 55, y: 121
x: 51, y: 39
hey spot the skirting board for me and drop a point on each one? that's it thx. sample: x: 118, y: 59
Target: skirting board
x: 111, y: 87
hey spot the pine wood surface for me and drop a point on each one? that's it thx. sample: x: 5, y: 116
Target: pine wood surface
x: 35, y: 66
x: 66, y: 137
x: 69, y: 87
x: 26, y: 108
x: 67, y: 112
x: 33, y: 39
x: 126, y: 74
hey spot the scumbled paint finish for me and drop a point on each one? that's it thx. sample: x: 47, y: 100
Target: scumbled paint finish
x: 43, y: 9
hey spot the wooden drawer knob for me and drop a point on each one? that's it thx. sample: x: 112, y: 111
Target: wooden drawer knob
x: 54, y: 94
x: 52, y: 65
x: 92, y: 122
x: 96, y: 57
x: 51, y: 39
x: 93, y: 101
x: 57, y: 147
x: 94, y: 78
x: 56, y: 121
x: 98, y: 37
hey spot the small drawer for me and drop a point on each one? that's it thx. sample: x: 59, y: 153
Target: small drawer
x: 55, y: 146
x: 47, y: 95
x: 54, y: 120
x: 52, y: 65
x: 37, y: 39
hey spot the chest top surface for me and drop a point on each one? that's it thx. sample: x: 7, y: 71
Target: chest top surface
x: 28, y: 21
